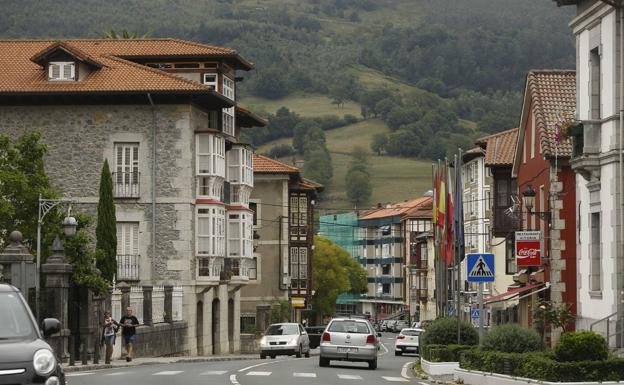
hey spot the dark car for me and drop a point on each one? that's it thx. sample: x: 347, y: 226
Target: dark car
x: 315, y: 333
x: 25, y: 357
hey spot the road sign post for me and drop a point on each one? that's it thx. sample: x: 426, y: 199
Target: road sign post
x: 480, y: 269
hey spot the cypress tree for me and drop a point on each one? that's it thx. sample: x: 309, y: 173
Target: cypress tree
x: 106, y: 230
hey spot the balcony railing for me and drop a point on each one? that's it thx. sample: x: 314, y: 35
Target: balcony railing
x: 128, y: 267
x: 126, y: 184
x: 209, y: 267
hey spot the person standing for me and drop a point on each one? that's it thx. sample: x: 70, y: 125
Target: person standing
x: 108, y: 335
x: 129, y: 324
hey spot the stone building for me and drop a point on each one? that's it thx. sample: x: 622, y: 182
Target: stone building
x: 163, y: 112
x: 283, y: 204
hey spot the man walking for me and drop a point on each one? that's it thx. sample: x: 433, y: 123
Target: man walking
x: 129, y: 324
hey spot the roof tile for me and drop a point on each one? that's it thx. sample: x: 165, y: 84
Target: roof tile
x: 500, y: 147
x: 266, y: 165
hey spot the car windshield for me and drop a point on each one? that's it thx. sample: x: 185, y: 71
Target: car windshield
x: 410, y: 332
x: 349, y: 327
x: 282, y: 330
x: 14, y: 318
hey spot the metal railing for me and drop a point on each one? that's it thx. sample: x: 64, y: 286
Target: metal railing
x: 126, y: 184
x: 610, y: 327
x: 128, y: 267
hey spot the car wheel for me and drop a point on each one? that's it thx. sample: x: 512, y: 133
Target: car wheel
x: 298, y: 354
x: 398, y: 353
x: 262, y: 356
x: 323, y: 362
x: 372, y: 365
x: 307, y: 354
x: 272, y: 355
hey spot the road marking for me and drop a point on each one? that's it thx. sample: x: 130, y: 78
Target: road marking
x: 269, y: 363
x: 395, y: 379
x: 259, y: 373
x: 349, y: 377
x: 168, y: 373
x: 404, y: 370
x: 423, y: 383
x: 233, y: 379
x: 308, y: 375
x: 79, y: 374
x: 385, y: 348
x: 115, y: 374
x: 213, y: 373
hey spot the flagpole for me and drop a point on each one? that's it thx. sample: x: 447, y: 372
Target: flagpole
x: 459, y: 222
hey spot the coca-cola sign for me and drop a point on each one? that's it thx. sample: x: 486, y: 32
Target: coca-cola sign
x: 528, y: 248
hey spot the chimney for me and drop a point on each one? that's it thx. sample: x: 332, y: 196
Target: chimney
x: 378, y: 205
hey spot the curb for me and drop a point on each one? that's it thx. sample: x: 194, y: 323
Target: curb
x: 86, y: 368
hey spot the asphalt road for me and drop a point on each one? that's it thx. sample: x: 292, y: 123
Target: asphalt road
x: 282, y: 370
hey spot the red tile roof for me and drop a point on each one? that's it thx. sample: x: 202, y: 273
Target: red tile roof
x: 401, y: 208
x: 500, y: 147
x: 266, y: 165
x: 21, y: 75
x: 553, y: 93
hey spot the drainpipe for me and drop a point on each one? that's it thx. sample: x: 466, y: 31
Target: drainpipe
x: 153, y: 192
x: 620, y: 201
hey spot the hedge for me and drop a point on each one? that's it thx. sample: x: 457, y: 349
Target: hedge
x: 581, y: 346
x: 443, y: 331
x: 443, y: 353
x: 541, y: 366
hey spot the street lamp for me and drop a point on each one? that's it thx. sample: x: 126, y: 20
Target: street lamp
x: 69, y: 229
x: 528, y: 198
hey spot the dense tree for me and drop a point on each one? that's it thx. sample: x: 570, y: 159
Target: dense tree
x: 300, y: 133
x: 280, y: 151
x: 357, y: 179
x: 106, y: 229
x: 334, y: 272
x: 379, y: 142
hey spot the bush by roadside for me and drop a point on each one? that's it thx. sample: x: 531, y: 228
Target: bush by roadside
x: 512, y: 338
x: 443, y: 353
x: 443, y: 331
x: 581, y: 346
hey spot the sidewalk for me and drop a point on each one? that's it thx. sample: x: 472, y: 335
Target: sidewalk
x: 119, y: 363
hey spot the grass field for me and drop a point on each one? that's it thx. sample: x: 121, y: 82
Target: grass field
x: 303, y: 104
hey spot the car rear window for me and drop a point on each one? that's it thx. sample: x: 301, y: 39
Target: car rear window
x: 349, y: 327
x: 410, y: 332
x: 282, y: 330
x: 14, y: 318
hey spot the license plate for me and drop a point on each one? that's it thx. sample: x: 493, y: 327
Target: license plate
x: 347, y: 350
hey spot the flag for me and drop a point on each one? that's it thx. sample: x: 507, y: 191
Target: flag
x: 458, y: 212
x: 450, y: 240
x: 434, y: 211
x: 441, y: 195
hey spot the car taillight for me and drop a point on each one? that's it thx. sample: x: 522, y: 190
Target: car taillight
x: 370, y: 339
x: 326, y: 337
x: 400, y: 337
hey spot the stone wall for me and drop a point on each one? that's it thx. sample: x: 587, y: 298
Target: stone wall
x: 249, y: 344
x: 162, y: 339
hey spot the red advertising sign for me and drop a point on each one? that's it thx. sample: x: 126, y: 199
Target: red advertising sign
x: 528, y: 248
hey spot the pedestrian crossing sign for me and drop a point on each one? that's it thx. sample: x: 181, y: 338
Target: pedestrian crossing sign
x: 480, y: 267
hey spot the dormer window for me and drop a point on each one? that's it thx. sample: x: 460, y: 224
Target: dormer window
x: 62, y: 70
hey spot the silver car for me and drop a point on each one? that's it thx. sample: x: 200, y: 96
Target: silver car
x: 285, y: 339
x: 347, y: 339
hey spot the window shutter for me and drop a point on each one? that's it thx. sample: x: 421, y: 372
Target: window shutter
x: 119, y: 239
x: 68, y: 71
x: 54, y: 71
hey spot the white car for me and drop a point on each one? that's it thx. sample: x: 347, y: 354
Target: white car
x: 407, y: 341
x: 285, y: 339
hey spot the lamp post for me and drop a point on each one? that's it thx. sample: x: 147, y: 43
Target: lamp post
x: 528, y: 198
x: 69, y: 229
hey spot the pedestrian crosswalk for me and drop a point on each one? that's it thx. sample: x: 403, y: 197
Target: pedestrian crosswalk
x: 302, y: 375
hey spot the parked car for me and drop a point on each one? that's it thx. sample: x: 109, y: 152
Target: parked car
x: 420, y: 324
x: 399, y: 325
x: 407, y: 341
x: 314, y: 334
x: 25, y: 357
x: 285, y: 339
x: 389, y: 325
x: 347, y: 339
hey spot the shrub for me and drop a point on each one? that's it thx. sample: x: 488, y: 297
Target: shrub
x: 547, y: 369
x: 350, y: 119
x: 443, y: 331
x: 280, y: 151
x: 581, y: 346
x: 497, y: 362
x: 512, y: 338
x: 443, y: 353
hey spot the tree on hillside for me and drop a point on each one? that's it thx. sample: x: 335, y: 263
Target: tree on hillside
x: 300, y: 133
x: 318, y: 164
x: 357, y: 179
x: 379, y: 142
x: 124, y: 34
x: 22, y: 180
x: 106, y: 230
x: 334, y: 272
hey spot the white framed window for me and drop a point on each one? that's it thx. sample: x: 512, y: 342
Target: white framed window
x: 228, y: 88
x: 62, y: 70
x: 228, y: 121
x: 211, y: 79
x: 126, y: 170
x: 210, y: 231
x: 240, y: 235
x: 127, y: 251
x: 210, y: 154
x: 240, y: 166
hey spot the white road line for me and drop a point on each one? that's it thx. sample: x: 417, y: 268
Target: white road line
x: 395, y: 379
x: 79, y: 374
x: 423, y: 383
x: 404, y: 370
x: 307, y: 375
x: 259, y: 373
x: 213, y: 373
x: 233, y: 380
x: 167, y: 373
x: 116, y: 374
x: 349, y: 377
x: 385, y: 348
x: 269, y: 363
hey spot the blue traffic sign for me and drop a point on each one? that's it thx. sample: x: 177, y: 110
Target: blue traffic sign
x: 474, y: 313
x: 451, y: 311
x: 480, y: 267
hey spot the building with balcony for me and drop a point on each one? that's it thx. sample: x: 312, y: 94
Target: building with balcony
x: 597, y: 161
x: 282, y: 203
x: 163, y: 113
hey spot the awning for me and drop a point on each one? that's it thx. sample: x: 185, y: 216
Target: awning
x: 382, y: 301
x: 347, y: 299
x: 516, y: 292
